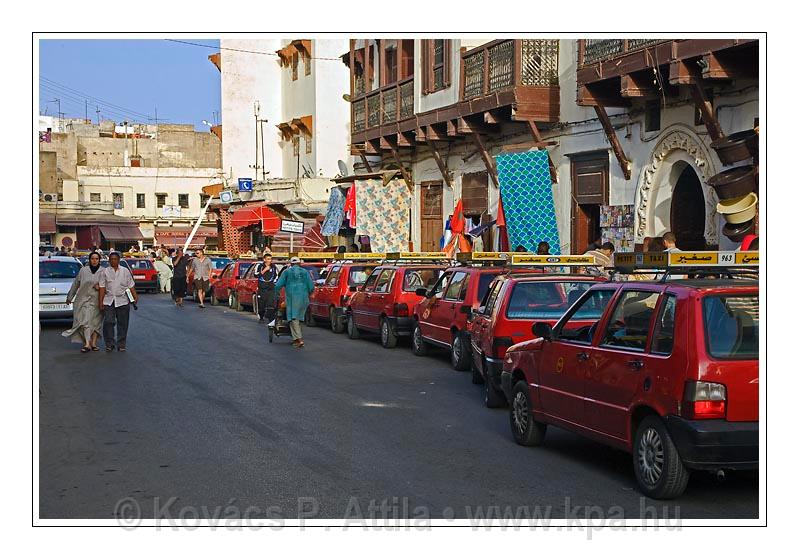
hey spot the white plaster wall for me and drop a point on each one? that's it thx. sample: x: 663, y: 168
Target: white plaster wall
x: 247, y: 78
x: 149, y: 181
x: 297, y: 100
x: 332, y: 117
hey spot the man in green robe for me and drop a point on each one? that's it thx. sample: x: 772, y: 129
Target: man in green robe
x: 297, y: 283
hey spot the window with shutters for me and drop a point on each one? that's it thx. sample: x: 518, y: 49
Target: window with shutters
x: 435, y: 64
x: 161, y: 200
x: 475, y: 193
x: 94, y: 197
x: 203, y: 200
x: 140, y: 200
x: 183, y: 200
x: 590, y: 177
x: 119, y: 201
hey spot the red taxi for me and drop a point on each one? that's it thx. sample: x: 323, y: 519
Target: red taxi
x: 442, y: 318
x: 316, y: 264
x: 329, y: 300
x: 246, y: 288
x: 386, y: 300
x: 667, y: 371
x: 145, y: 275
x: 224, y: 289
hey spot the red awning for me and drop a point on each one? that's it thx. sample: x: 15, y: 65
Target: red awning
x: 47, y: 223
x: 121, y: 233
x: 252, y: 215
x: 174, y: 237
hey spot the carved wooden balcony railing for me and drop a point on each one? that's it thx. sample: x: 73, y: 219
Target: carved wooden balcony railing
x: 389, y: 104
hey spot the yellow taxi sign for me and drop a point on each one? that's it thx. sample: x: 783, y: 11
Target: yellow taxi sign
x: 315, y: 256
x: 553, y: 260
x: 280, y: 255
x: 432, y: 255
x: 482, y: 256
x: 362, y: 256
x: 686, y: 259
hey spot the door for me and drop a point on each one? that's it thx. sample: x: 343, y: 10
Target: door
x: 688, y: 212
x: 484, y: 323
x: 431, y: 227
x: 564, y: 361
x: 323, y: 295
x: 378, y: 299
x: 589, y: 174
x: 360, y: 303
x: 619, y: 365
x: 431, y: 310
x: 451, y: 306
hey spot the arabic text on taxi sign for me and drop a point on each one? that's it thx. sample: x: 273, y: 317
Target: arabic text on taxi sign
x: 555, y: 260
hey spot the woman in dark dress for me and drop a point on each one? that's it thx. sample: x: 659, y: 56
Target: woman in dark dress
x: 179, y: 264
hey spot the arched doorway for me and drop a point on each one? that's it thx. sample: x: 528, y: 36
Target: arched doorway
x: 688, y: 209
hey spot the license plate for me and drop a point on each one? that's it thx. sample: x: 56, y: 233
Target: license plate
x: 138, y: 277
x: 55, y: 306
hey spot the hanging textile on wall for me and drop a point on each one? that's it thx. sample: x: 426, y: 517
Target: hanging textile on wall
x: 527, y: 196
x: 458, y: 243
x: 350, y: 205
x: 383, y: 214
x: 335, y: 215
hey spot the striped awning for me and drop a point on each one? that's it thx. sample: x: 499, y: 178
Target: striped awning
x: 47, y: 223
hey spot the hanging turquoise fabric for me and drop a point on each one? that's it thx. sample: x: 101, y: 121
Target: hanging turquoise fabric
x: 527, y: 194
x: 335, y: 215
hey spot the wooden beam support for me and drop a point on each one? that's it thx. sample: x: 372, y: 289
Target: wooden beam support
x: 365, y: 161
x: 446, y: 175
x: 491, y: 168
x: 611, y: 134
x: 489, y: 117
x: 405, y: 140
x: 587, y: 98
x: 420, y: 134
x: 681, y: 74
x: 372, y: 147
x: 403, y: 170
x: 432, y: 133
x: 706, y: 110
x: 452, y: 129
x: 537, y: 136
x: 636, y: 85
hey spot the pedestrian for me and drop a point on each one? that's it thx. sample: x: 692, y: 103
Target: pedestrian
x: 267, y: 275
x: 164, y: 275
x: 520, y: 249
x: 341, y: 250
x: 656, y: 245
x: 602, y: 259
x: 179, y: 264
x: 87, y: 320
x: 670, y: 242
x: 298, y: 285
x: 201, y: 267
x: 594, y: 245
x: 543, y: 248
x: 114, y: 283
x: 353, y: 248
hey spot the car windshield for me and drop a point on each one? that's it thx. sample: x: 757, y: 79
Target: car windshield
x: 732, y: 326
x: 58, y: 269
x: 359, y: 274
x: 139, y: 264
x: 220, y: 262
x: 420, y: 278
x: 105, y: 264
x: 546, y: 300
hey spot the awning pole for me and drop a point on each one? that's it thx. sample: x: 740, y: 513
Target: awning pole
x: 197, y: 224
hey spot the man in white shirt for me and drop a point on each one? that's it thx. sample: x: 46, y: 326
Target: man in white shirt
x: 114, y: 302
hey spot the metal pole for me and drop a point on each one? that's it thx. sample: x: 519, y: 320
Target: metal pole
x: 263, y: 166
x: 291, y: 243
x: 197, y: 224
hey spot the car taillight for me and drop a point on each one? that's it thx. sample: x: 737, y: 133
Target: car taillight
x: 400, y: 310
x: 703, y: 400
x: 500, y: 345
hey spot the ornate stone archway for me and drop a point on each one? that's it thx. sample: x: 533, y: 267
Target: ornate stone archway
x: 677, y: 143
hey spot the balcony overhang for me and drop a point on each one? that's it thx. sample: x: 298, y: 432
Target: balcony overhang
x: 216, y: 60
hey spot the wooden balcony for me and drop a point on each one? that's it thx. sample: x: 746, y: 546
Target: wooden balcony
x: 383, y: 107
x: 521, y: 73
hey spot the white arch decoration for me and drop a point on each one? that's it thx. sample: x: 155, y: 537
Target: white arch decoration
x: 654, y: 176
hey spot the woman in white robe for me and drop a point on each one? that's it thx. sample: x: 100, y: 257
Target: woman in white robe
x: 87, y: 320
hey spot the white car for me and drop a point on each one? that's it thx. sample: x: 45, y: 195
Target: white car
x: 56, y: 275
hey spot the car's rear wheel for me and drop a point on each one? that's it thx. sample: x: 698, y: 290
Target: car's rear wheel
x: 336, y: 322
x: 310, y: 320
x: 525, y: 429
x: 460, y: 356
x: 255, y: 305
x: 352, y: 329
x: 418, y: 345
x: 388, y: 338
x: 231, y: 300
x: 656, y: 462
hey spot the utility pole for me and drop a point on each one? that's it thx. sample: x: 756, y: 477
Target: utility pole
x: 97, y: 110
x: 256, y: 111
x: 86, y: 110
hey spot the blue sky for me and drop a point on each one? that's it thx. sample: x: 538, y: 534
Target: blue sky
x: 128, y: 79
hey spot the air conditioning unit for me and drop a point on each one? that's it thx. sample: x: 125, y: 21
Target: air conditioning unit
x: 49, y: 197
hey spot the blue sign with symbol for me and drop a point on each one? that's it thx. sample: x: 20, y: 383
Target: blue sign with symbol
x: 245, y: 185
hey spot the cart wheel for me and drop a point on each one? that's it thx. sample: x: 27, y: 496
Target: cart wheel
x: 269, y: 333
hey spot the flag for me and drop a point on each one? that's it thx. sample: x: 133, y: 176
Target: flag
x: 458, y: 243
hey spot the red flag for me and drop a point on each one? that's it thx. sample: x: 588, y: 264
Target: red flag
x: 501, y: 216
x: 458, y: 242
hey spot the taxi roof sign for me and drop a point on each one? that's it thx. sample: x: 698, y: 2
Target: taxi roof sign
x: 483, y: 256
x: 315, y: 256
x: 432, y: 255
x: 552, y: 260
x: 361, y: 256
x: 684, y: 259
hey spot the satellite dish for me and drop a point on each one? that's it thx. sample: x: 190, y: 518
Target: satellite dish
x: 343, y: 168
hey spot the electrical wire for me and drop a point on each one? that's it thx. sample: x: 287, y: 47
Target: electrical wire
x: 67, y: 99
x: 337, y: 59
x: 80, y: 96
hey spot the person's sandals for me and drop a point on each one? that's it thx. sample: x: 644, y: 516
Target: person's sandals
x: 95, y: 349
x: 121, y: 349
x: 202, y: 306
x: 85, y: 349
x: 109, y: 348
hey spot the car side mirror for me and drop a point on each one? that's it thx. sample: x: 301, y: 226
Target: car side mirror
x: 421, y: 292
x: 542, y: 330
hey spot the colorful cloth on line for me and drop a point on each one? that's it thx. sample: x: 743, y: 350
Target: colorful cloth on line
x: 383, y: 214
x: 527, y: 194
x: 335, y: 215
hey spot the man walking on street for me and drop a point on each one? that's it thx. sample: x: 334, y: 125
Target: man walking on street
x: 201, y: 266
x: 267, y: 275
x: 297, y: 282
x: 114, y: 282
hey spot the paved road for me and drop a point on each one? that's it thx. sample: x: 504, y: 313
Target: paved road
x: 204, y: 410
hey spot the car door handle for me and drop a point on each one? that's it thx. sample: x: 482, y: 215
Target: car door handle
x: 582, y: 356
x: 636, y: 365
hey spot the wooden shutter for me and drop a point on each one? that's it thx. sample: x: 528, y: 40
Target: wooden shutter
x: 590, y: 178
x: 475, y: 193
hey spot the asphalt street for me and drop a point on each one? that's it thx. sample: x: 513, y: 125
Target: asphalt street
x: 202, y: 412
